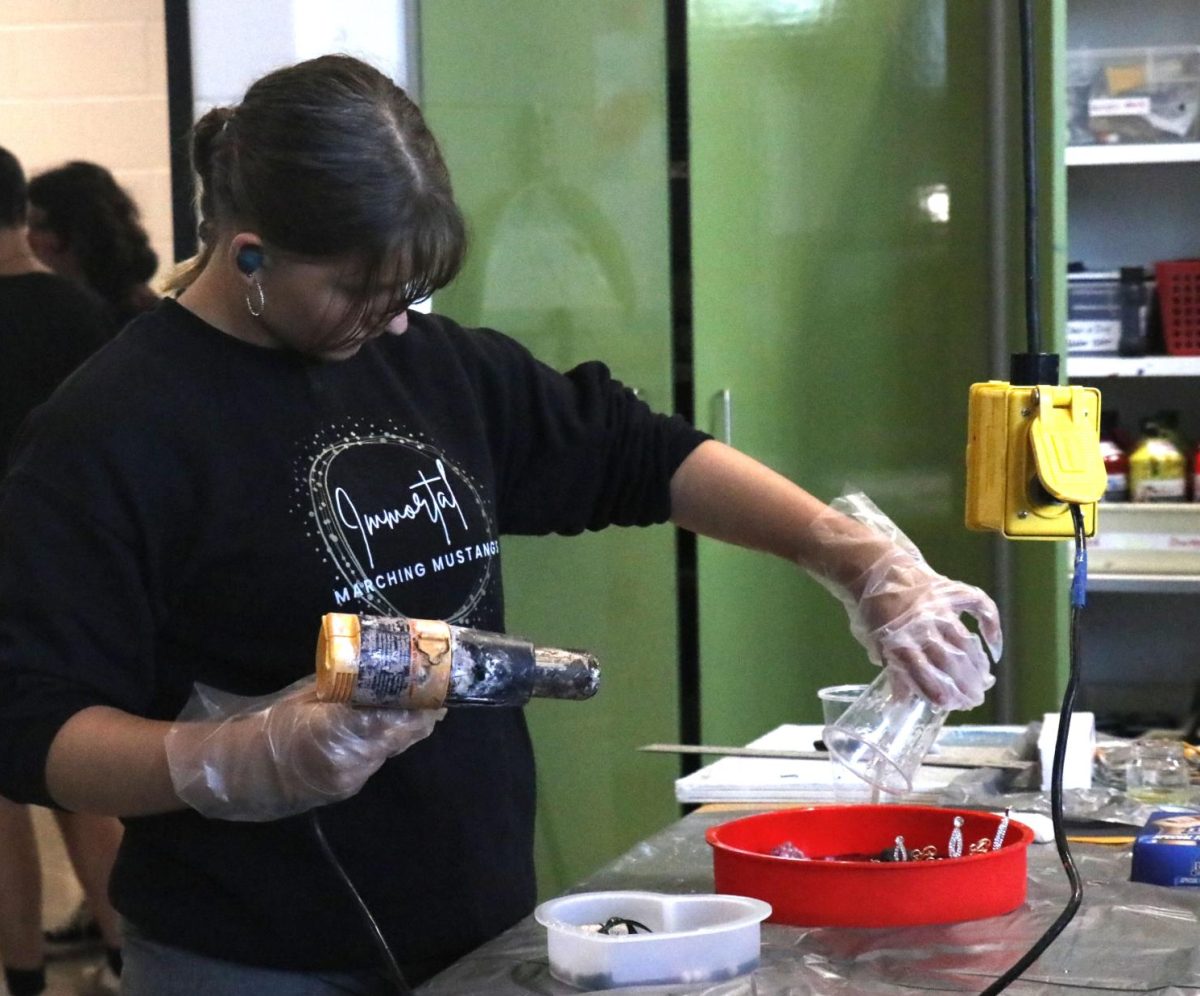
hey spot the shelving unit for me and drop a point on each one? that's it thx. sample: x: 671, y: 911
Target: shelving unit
x: 1102, y: 367
x: 1133, y: 205
x: 1145, y: 584
x: 1124, y: 155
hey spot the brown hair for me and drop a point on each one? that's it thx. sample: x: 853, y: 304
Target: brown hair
x: 324, y: 158
x: 12, y: 191
x: 94, y: 216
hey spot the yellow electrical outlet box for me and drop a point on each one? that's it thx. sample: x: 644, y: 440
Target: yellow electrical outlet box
x: 1032, y: 452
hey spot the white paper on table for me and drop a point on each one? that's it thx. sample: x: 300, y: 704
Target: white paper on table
x: 744, y: 779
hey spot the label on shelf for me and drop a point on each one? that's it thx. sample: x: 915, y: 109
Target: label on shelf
x: 1166, y: 489
x: 1113, y: 107
x: 1144, y: 541
x: 1093, y: 336
x: 1152, y: 539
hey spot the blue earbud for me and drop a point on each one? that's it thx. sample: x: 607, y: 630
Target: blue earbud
x: 250, y: 259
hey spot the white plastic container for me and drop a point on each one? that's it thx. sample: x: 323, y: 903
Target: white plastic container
x: 1081, y: 747
x: 1138, y: 95
x: 695, y: 939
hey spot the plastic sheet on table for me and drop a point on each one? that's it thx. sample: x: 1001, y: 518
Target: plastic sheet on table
x: 1103, y: 804
x: 1127, y: 937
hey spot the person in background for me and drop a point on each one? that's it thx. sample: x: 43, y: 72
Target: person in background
x: 86, y: 227
x: 287, y: 438
x: 48, y: 326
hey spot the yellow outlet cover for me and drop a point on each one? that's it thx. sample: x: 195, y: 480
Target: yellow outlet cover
x: 1066, y: 453
x: 1016, y: 436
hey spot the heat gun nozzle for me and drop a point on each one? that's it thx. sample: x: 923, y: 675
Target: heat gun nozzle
x: 564, y: 674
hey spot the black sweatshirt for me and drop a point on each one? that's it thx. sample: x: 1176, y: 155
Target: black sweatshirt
x: 48, y: 326
x: 188, y: 506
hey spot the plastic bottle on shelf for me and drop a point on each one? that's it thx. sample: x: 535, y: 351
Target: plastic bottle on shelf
x: 1168, y: 421
x: 1157, y: 469
x: 1116, y: 460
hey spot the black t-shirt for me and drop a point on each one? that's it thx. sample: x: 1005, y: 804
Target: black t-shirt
x: 48, y: 326
x: 187, y: 508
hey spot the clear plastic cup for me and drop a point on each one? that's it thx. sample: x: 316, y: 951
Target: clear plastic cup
x: 836, y: 699
x: 883, y: 736
x: 847, y: 789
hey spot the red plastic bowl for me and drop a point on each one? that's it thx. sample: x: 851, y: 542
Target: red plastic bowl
x: 815, y: 893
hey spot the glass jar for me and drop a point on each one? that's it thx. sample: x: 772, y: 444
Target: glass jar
x: 1157, y: 772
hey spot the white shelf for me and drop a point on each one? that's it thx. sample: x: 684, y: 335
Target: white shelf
x: 1146, y: 547
x: 1119, y: 155
x: 1133, y: 366
x: 1146, y: 584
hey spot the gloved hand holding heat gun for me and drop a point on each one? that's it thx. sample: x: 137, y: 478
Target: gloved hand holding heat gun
x: 258, y: 759
x: 901, y: 610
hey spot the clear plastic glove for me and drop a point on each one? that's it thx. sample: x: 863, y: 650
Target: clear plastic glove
x: 901, y: 610
x: 257, y: 759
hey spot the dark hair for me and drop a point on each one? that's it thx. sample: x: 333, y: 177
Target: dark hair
x: 13, y: 192
x: 324, y: 158
x: 98, y: 221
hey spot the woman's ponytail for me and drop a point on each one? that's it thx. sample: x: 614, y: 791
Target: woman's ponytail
x: 210, y: 137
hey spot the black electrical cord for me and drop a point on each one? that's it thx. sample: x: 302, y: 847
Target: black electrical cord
x: 391, y: 967
x: 1078, y: 593
x: 1033, y: 322
x: 1033, y: 329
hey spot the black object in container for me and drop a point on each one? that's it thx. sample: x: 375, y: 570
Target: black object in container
x: 1135, y: 293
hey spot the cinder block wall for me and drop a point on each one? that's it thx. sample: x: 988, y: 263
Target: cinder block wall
x: 87, y: 79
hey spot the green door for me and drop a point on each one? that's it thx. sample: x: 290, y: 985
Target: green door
x: 841, y: 263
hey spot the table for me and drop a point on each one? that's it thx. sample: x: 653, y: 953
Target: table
x: 1127, y: 937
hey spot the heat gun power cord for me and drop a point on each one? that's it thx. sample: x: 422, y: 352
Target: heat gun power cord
x: 391, y: 967
x: 1078, y: 597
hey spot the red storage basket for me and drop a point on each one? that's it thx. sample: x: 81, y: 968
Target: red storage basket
x: 1178, y: 283
x: 815, y: 893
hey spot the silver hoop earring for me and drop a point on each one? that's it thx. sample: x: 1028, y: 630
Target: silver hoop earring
x: 262, y: 299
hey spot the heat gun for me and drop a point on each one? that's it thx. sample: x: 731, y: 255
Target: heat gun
x: 428, y: 664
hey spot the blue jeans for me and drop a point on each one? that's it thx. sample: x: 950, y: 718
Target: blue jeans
x: 153, y: 969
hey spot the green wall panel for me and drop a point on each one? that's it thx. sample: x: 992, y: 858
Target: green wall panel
x: 839, y: 218
x: 552, y: 117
